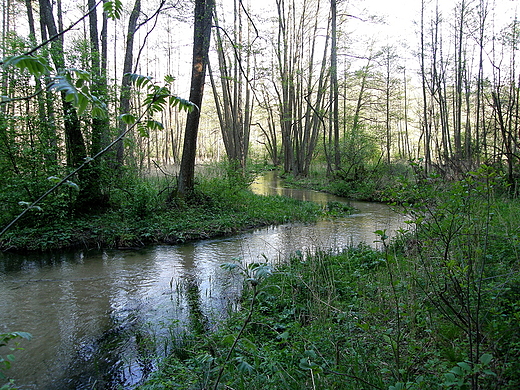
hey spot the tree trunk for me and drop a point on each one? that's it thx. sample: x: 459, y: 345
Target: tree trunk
x: 201, y: 43
x: 426, y: 123
x: 124, y: 100
x: 334, y: 84
x: 76, y: 150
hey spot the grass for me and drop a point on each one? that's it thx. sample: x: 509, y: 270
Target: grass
x: 140, y: 215
x: 438, y: 308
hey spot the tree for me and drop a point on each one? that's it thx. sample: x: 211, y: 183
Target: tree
x: 304, y: 82
x: 334, y: 85
x: 201, y: 44
x: 124, y: 100
x: 234, y: 99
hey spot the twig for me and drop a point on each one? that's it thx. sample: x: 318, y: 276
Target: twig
x: 66, y: 178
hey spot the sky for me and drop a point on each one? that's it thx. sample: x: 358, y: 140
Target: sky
x: 403, y: 15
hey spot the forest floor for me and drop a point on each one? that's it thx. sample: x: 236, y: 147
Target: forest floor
x: 145, y: 218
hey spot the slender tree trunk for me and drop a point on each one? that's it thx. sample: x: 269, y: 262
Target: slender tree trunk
x: 334, y: 83
x: 201, y: 43
x: 124, y: 100
x: 426, y: 122
x: 76, y: 150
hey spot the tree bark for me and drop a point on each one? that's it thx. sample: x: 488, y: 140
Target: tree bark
x: 124, y: 100
x: 76, y: 150
x: 201, y: 43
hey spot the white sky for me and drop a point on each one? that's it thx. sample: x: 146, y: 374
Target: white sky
x: 402, y: 14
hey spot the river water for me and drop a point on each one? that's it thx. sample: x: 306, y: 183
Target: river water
x: 99, y: 319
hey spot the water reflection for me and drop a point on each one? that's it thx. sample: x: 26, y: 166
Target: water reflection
x: 102, y: 317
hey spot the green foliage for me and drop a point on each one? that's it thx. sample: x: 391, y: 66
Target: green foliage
x: 74, y: 83
x: 437, y: 308
x: 138, y: 214
x: 36, y: 66
x: 459, y: 377
x: 158, y: 97
x: 338, y: 209
x: 113, y: 8
x: 373, y: 181
x: 6, y: 360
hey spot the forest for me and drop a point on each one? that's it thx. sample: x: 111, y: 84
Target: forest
x: 300, y: 85
x: 128, y: 123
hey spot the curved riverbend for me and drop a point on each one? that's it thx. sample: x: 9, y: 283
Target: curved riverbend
x: 103, y: 317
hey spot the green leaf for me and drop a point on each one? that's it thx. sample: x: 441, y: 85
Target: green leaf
x: 456, y: 371
x: 61, y: 83
x: 54, y: 179
x: 143, y: 130
x: 28, y: 205
x: 450, y: 379
x: 129, y: 119
x: 486, y: 359
x: 138, y: 80
x: 82, y: 103
x: 311, y: 353
x: 154, y: 125
x: 465, y: 366
x: 228, y: 339
x: 305, y: 364
x: 80, y: 74
x: 113, y: 9
x: 71, y: 184
x: 183, y: 104
x: 229, y: 266
x: 99, y: 111
x: 35, y: 65
x: 283, y: 336
x: 381, y: 234
x: 23, y: 335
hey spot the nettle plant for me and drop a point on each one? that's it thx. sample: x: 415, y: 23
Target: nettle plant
x: 453, y: 227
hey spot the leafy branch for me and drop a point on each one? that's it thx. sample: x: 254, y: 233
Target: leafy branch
x: 156, y: 100
x: 37, y: 66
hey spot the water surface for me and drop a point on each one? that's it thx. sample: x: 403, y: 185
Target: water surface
x: 100, y: 318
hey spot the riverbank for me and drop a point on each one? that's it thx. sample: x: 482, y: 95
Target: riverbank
x: 436, y: 309
x: 217, y: 211
x: 377, y: 184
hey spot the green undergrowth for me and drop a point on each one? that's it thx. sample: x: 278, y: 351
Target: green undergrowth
x: 438, y: 307
x: 140, y: 214
x: 372, y: 184
x: 344, y: 321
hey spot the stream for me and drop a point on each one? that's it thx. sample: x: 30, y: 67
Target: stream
x: 100, y: 319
